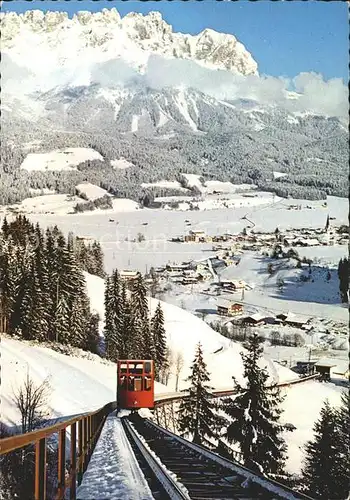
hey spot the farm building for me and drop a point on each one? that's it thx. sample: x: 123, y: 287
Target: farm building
x: 291, y: 319
x: 229, y: 308
x: 254, y: 319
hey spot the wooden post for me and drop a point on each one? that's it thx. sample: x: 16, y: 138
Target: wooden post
x: 73, y: 461
x: 40, y: 469
x: 80, y: 451
x: 61, y: 462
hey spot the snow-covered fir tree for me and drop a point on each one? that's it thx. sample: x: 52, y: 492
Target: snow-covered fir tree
x: 92, y: 334
x: 42, y: 288
x: 144, y: 348
x: 33, y: 314
x: 129, y: 342
x: 254, y: 413
x: 324, y: 474
x: 343, y: 275
x: 97, y: 253
x: 159, y: 339
x: 197, y: 417
x: 343, y: 421
x: 113, y: 313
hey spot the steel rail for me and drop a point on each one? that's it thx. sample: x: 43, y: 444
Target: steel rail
x: 165, y: 398
x: 274, y: 488
x: 171, y: 487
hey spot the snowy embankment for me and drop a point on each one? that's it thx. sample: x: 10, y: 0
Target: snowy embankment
x: 111, y: 477
x: 302, y: 407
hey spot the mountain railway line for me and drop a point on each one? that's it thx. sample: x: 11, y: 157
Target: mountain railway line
x: 202, y: 474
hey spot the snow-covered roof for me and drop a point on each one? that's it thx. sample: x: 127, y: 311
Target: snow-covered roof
x: 293, y: 318
x: 128, y: 272
x: 328, y: 362
x: 257, y: 316
x: 227, y: 303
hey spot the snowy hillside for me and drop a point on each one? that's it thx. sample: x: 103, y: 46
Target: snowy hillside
x: 184, y: 331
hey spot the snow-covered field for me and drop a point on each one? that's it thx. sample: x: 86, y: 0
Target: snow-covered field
x: 165, y: 184
x: 116, y: 231
x: 122, y: 163
x: 63, y: 204
x: 58, y: 204
x: 64, y: 159
x: 91, y: 191
x: 226, y: 187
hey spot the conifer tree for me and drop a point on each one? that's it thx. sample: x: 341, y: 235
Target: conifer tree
x: 159, y: 339
x: 9, y: 282
x: 98, y: 259
x: 33, y: 315
x: 113, y: 313
x: 254, y: 415
x: 343, y: 423
x: 5, y: 228
x: 323, y: 473
x: 92, y: 336
x: 343, y: 275
x: 129, y: 342
x: 197, y: 417
x: 139, y: 307
x: 108, y: 315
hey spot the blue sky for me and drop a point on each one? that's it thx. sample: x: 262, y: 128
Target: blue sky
x: 285, y: 38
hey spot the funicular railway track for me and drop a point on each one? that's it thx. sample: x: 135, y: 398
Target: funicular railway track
x: 204, y: 474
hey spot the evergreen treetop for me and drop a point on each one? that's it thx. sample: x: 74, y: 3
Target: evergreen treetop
x: 324, y: 475
x: 255, y: 414
x: 197, y: 416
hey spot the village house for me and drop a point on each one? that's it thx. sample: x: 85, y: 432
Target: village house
x: 226, y: 308
x: 254, y: 319
x: 291, y: 319
x: 179, y: 267
x: 233, y: 285
x: 197, y: 236
x: 128, y: 275
x: 305, y: 242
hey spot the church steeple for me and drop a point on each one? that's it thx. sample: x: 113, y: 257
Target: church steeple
x: 327, y: 224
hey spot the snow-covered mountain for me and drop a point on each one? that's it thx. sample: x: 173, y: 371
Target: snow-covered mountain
x: 88, y: 38
x: 165, y: 102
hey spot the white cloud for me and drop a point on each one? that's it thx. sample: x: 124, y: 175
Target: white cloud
x: 314, y: 93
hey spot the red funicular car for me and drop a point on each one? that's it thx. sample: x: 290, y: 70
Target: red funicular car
x: 135, y: 384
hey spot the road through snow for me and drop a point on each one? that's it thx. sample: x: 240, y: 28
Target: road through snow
x: 113, y: 471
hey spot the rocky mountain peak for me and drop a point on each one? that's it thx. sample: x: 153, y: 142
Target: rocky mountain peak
x: 116, y: 37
